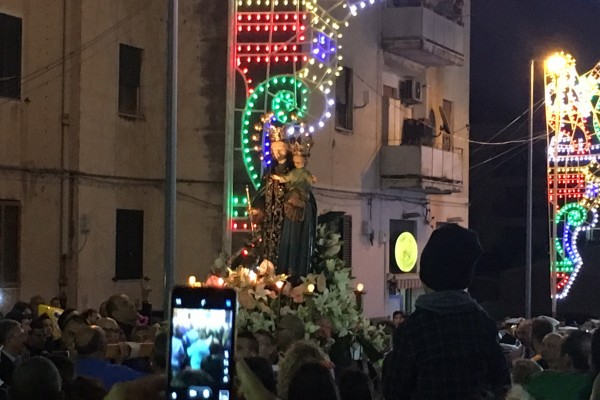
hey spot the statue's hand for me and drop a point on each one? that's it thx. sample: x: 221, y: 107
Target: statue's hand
x: 278, y: 178
x: 256, y: 215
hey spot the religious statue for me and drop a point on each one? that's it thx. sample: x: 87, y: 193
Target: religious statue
x: 268, y: 206
x: 285, y: 207
x: 300, y: 211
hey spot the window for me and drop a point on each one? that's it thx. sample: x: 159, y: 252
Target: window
x: 10, y: 56
x: 9, y: 243
x: 129, y: 261
x: 344, y: 100
x: 345, y: 229
x: 130, y: 67
x: 448, y: 124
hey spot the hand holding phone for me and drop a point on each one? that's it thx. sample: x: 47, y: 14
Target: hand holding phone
x: 202, y: 330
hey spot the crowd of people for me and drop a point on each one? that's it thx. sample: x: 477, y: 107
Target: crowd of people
x: 48, y: 352
x: 448, y: 348
x: 114, y: 353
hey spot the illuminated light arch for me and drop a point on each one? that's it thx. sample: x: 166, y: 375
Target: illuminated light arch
x: 295, y: 40
x: 573, y: 125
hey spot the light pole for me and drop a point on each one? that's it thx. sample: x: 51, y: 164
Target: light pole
x: 529, y: 236
x: 170, y: 153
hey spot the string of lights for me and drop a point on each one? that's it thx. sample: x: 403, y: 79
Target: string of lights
x: 573, y: 126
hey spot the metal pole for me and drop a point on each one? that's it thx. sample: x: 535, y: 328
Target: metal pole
x: 529, y: 199
x: 553, y: 251
x: 229, y: 132
x: 171, y: 152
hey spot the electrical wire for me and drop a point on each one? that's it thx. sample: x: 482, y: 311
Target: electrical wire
x: 537, y: 138
x: 77, y: 52
x: 538, y: 104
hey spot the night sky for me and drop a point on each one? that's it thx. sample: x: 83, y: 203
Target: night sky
x: 507, y: 34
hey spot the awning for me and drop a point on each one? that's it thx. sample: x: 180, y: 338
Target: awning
x: 408, y: 281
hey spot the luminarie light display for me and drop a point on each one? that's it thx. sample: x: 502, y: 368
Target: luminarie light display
x: 287, y: 55
x: 573, y: 125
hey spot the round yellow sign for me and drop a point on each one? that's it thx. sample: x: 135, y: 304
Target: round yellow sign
x: 406, y: 252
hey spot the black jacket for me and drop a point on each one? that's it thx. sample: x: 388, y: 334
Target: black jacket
x: 447, y: 349
x: 7, y: 367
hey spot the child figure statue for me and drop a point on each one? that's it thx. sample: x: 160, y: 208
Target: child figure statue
x: 300, y: 210
x: 299, y: 185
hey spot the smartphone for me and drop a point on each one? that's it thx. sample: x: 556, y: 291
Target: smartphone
x: 201, y: 343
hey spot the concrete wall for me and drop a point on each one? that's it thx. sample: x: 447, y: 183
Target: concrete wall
x: 68, y: 120
x: 135, y: 147
x: 30, y: 136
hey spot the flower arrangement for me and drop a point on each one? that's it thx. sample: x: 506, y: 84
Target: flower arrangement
x: 324, y: 300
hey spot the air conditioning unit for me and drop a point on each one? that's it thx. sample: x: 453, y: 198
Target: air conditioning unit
x: 410, y: 91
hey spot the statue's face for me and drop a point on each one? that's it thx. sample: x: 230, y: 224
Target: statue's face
x: 299, y: 161
x: 279, y: 151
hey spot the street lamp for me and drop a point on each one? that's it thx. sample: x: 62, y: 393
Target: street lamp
x: 529, y: 231
x: 555, y: 66
x: 556, y: 63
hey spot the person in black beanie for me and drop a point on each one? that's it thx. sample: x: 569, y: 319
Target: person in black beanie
x: 448, y: 347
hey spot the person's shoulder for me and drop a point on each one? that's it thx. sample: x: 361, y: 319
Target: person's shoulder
x: 91, y: 362
x: 481, y: 314
x: 124, y: 371
x: 543, y: 378
x: 414, y: 322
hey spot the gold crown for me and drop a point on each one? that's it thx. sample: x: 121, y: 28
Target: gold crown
x: 275, y: 134
x: 302, y: 146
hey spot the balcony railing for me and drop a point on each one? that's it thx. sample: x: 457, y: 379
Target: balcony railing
x: 430, y: 33
x: 421, y: 168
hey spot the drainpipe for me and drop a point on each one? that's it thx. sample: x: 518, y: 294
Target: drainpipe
x: 229, y: 132
x: 64, y: 189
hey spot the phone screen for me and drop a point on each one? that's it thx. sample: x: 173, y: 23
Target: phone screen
x: 201, y: 343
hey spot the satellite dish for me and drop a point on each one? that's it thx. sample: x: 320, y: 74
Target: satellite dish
x: 406, y: 252
x: 445, y: 126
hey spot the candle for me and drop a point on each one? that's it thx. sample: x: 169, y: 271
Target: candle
x: 220, y: 282
x: 192, y: 280
x: 279, y: 284
x: 360, y: 287
x: 310, y: 287
x: 252, y: 276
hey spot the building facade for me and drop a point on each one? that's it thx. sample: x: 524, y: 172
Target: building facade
x: 83, y: 134
x: 82, y: 146
x: 401, y: 167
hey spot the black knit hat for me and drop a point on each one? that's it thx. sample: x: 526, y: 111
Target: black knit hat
x: 449, y: 257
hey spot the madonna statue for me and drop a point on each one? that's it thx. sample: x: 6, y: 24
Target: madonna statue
x: 286, y: 208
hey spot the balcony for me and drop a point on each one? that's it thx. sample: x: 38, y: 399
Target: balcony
x: 429, y: 34
x: 421, y: 168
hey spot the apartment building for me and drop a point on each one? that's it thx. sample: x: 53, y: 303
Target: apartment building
x: 82, y: 105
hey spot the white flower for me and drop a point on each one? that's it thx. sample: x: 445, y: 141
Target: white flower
x: 266, y: 267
